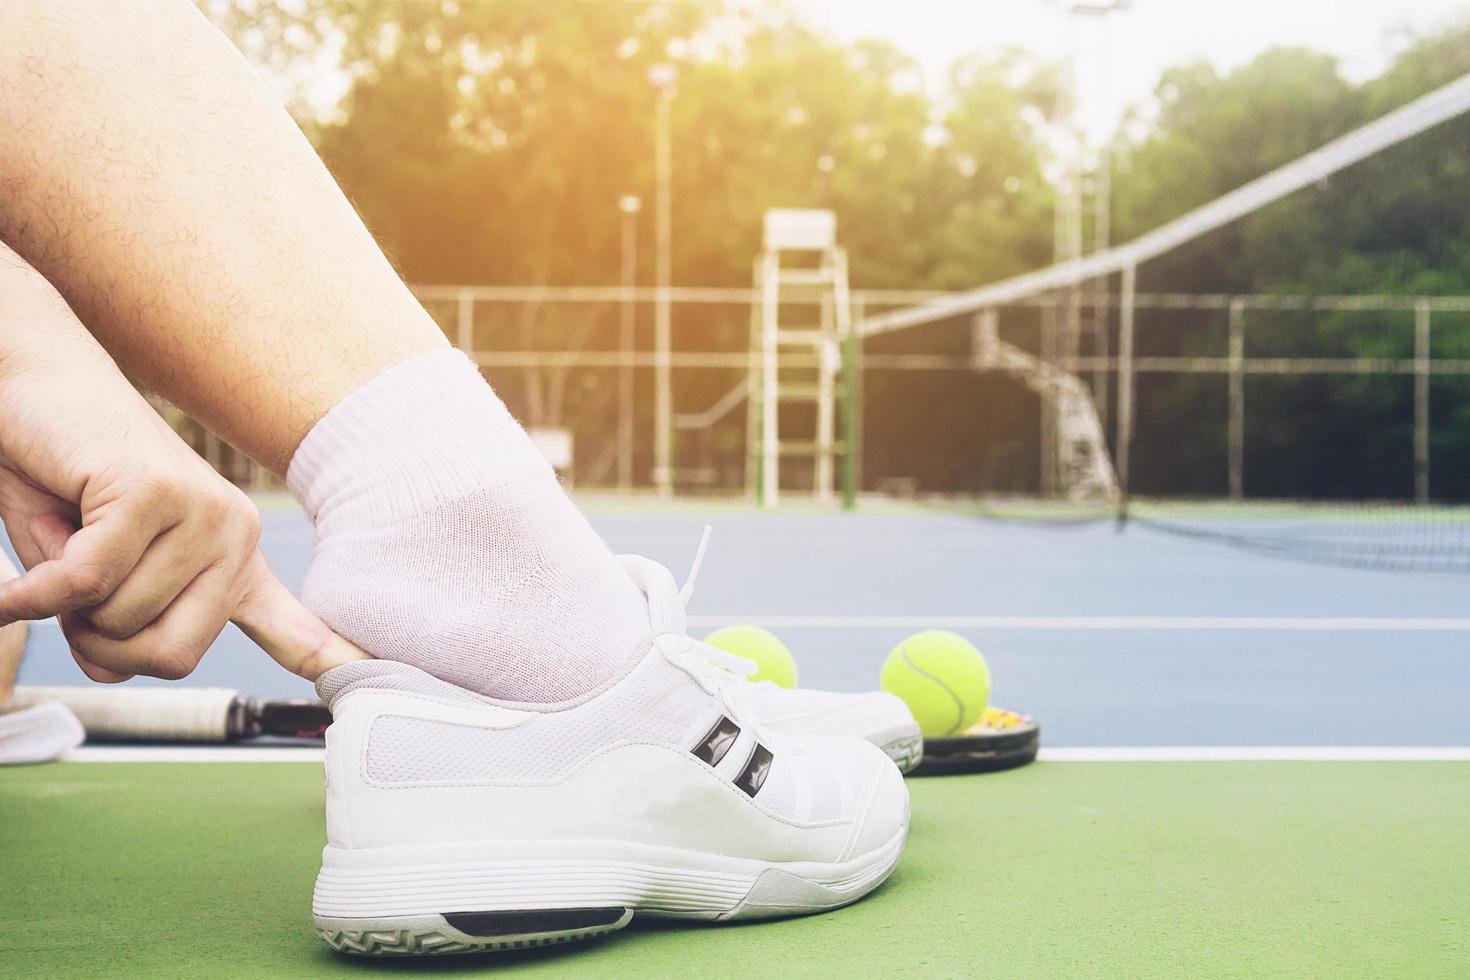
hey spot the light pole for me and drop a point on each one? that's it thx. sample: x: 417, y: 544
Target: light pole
x: 1070, y: 241
x: 1098, y: 12
x: 665, y: 78
x: 630, y: 206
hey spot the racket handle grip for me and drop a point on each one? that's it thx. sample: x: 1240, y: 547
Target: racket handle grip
x: 154, y: 714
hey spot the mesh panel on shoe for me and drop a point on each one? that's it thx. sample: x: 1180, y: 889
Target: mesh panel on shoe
x: 780, y: 794
x: 657, y: 703
x: 823, y: 770
x: 827, y: 795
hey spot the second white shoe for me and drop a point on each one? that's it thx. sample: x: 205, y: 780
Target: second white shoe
x: 874, y: 716
x: 457, y: 824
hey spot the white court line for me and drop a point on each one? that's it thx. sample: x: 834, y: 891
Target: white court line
x: 195, y: 753
x: 1349, y: 624
x: 1162, y: 753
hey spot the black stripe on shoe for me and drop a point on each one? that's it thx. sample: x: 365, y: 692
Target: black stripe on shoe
x: 712, y: 747
x: 486, y: 925
x: 757, y: 768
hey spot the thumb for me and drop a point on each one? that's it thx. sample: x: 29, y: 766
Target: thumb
x: 281, y: 626
x: 49, y: 532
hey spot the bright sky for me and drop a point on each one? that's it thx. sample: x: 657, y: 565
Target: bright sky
x: 1118, y: 58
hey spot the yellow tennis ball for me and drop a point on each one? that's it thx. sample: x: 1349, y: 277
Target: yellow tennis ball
x: 942, y: 678
x: 774, y: 661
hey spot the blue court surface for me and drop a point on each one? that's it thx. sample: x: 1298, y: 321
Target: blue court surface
x: 1133, y: 639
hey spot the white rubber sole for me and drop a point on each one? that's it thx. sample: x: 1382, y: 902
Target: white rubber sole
x: 453, y: 898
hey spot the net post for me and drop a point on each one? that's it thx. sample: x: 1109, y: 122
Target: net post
x: 1125, y: 387
x: 1047, y: 352
x: 770, y: 436
x: 754, y: 453
x: 1421, y: 401
x: 1236, y: 449
x: 851, y: 428
x: 627, y: 322
x: 663, y: 401
x: 1102, y: 312
x: 663, y: 395
x: 823, y: 476
x: 1101, y: 308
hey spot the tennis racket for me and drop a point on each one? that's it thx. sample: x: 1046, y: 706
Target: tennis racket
x: 180, y: 714
x: 1001, y: 739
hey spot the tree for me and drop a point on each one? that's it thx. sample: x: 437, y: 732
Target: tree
x: 490, y: 142
x: 1381, y: 226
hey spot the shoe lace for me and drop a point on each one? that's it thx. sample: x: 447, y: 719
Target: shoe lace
x: 717, y: 671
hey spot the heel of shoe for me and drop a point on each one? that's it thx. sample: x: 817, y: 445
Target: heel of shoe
x: 468, y: 932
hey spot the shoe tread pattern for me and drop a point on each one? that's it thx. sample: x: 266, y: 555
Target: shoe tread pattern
x: 428, y: 941
x: 905, y: 752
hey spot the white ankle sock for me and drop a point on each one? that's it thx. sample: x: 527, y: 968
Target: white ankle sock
x: 443, y: 540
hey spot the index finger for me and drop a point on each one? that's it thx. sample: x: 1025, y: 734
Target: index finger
x: 291, y: 634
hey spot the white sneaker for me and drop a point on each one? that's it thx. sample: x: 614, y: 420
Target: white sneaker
x: 39, y: 733
x: 457, y: 824
x: 874, y: 716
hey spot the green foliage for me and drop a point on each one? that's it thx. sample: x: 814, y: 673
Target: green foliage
x: 1381, y: 226
x: 489, y: 142
x: 1391, y: 224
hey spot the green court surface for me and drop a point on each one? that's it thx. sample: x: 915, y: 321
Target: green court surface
x: 1059, y: 869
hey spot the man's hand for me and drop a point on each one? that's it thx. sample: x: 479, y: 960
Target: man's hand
x: 131, y: 539
x: 139, y: 547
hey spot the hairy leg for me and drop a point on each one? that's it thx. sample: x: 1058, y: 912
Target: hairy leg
x: 150, y: 176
